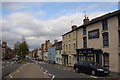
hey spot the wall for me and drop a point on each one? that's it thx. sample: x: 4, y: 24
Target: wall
x: 97, y: 43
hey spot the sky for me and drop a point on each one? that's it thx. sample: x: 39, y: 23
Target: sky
x: 40, y: 21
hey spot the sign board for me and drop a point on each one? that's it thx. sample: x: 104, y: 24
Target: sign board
x: 93, y: 34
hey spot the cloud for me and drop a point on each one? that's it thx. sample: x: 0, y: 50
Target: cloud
x: 36, y: 31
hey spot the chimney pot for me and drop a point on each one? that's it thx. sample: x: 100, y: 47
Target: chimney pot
x: 86, y: 20
x: 74, y: 27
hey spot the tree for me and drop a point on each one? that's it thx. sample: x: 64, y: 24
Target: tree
x: 21, y: 49
x: 17, y: 48
x: 24, y: 50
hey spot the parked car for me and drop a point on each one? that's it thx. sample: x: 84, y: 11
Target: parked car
x: 38, y: 59
x: 17, y: 58
x: 91, y: 68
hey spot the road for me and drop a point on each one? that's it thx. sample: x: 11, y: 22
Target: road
x: 58, y: 72
x: 9, y: 66
x: 40, y: 69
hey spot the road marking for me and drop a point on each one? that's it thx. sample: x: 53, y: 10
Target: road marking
x: 93, y: 77
x: 7, y: 62
x: 45, y: 72
x: 17, y: 71
x: 7, y: 65
x: 10, y: 76
x: 3, y: 67
x: 82, y: 74
x: 53, y: 77
x: 28, y: 63
x: 20, y: 67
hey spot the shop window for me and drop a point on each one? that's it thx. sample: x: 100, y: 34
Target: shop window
x: 84, y: 30
x: 105, y: 39
x: 105, y: 24
x: 84, y: 42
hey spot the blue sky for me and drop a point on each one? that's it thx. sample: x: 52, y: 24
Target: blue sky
x: 50, y: 10
x: 38, y: 21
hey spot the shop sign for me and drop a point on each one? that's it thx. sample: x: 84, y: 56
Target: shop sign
x: 93, y: 34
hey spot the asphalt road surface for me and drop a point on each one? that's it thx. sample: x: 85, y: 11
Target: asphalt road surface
x: 58, y: 72
x: 9, y: 66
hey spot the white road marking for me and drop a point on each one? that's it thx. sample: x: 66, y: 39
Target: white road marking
x: 53, y: 77
x: 28, y: 63
x: 6, y: 65
x: 45, y: 72
x: 82, y: 74
x: 10, y: 76
x: 17, y: 71
x: 20, y: 67
x: 93, y: 77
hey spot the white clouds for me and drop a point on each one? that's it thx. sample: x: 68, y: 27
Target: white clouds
x: 35, y: 30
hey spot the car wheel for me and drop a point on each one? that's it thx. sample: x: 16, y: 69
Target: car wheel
x: 93, y: 72
x: 77, y: 70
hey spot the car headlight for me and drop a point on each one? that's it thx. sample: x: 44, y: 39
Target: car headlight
x: 100, y: 70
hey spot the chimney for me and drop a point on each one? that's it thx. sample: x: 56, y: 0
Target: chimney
x: 55, y: 41
x: 48, y: 40
x: 86, y: 20
x: 74, y: 27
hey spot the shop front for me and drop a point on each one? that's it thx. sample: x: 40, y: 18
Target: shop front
x: 90, y: 54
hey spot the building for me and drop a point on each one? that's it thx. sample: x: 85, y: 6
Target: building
x: 99, y: 40
x: 55, y: 52
x: 52, y: 54
x: 59, y: 52
x: 7, y: 52
x: 69, y: 47
x: 0, y: 50
x: 44, y: 48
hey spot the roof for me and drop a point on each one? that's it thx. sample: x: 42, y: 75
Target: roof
x: 108, y: 15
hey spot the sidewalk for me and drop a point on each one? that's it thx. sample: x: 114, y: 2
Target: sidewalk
x: 28, y: 70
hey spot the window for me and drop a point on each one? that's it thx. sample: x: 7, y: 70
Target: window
x: 74, y: 45
x: 105, y: 39
x: 105, y: 24
x: 84, y: 30
x: 69, y: 46
x: 84, y: 42
x: 69, y: 36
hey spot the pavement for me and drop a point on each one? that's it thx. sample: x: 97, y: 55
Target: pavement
x: 28, y: 70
